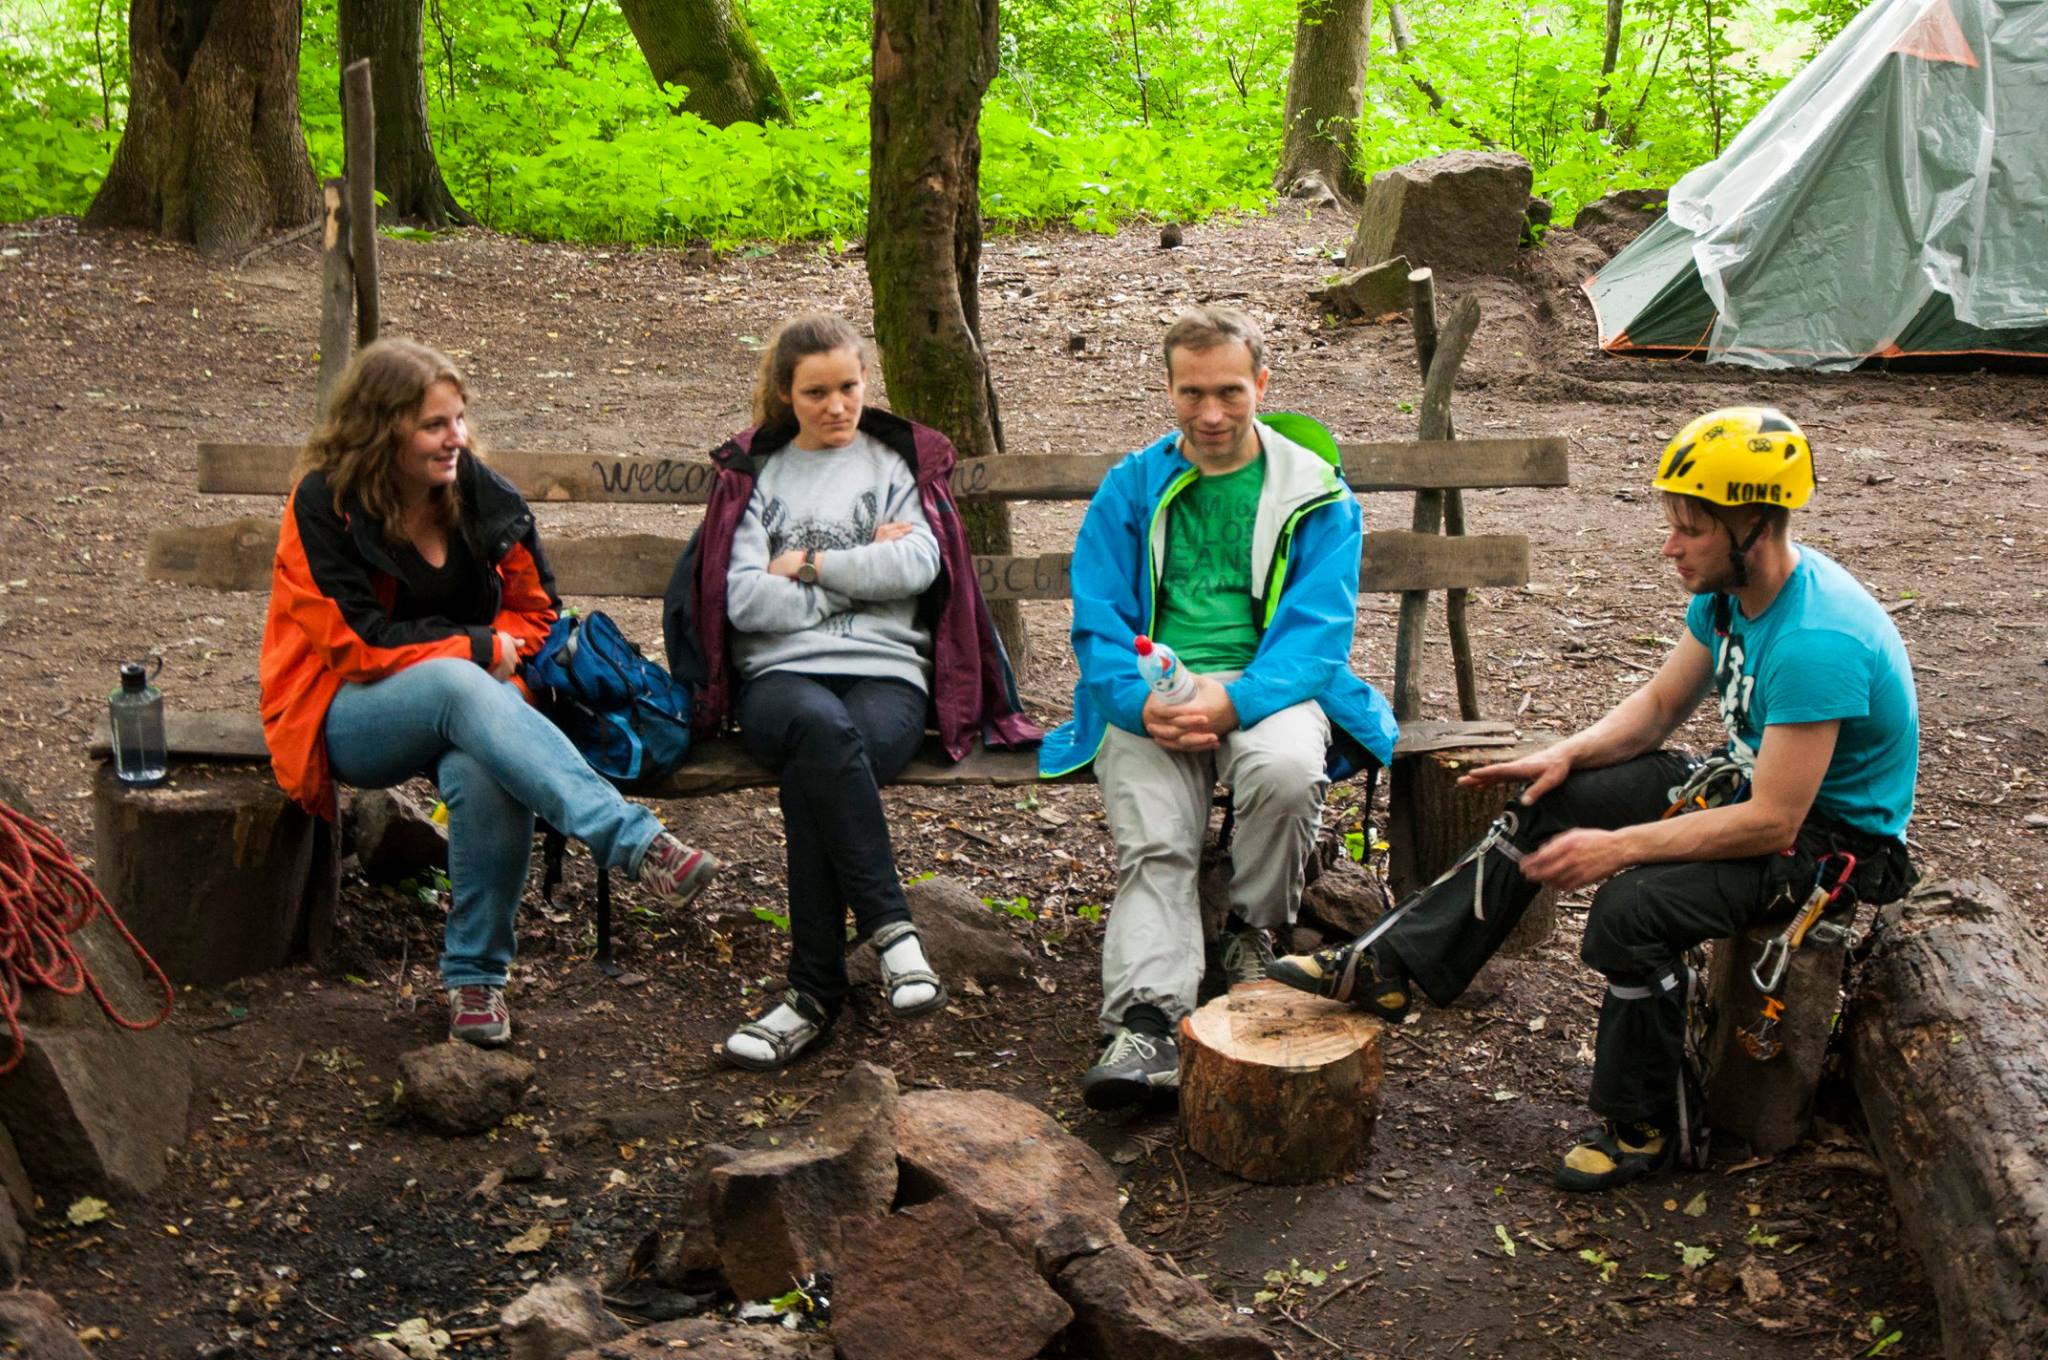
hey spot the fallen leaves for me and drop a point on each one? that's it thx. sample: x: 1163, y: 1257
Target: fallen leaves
x: 530, y: 1241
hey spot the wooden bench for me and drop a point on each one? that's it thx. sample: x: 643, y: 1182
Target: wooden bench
x: 236, y: 556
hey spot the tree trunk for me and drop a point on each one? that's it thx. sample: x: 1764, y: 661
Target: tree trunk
x: 213, y: 152
x: 1608, y: 57
x: 933, y: 63
x: 1948, y: 1044
x: 388, y: 33
x: 1433, y: 820
x: 1325, y: 96
x: 1278, y: 1087
x: 706, y: 46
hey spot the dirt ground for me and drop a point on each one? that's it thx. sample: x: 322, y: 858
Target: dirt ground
x: 300, y: 1217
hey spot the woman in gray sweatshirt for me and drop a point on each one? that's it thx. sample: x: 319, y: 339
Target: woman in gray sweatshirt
x: 822, y: 593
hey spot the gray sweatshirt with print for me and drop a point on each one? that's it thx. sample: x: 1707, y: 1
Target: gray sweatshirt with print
x: 861, y: 617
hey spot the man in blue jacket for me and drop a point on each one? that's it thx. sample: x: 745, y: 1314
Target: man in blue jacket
x: 1238, y: 548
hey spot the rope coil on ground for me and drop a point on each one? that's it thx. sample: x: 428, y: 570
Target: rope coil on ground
x: 45, y: 899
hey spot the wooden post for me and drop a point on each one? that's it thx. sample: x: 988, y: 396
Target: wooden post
x: 1435, y: 422
x: 359, y: 134
x: 1422, y: 300
x: 337, y: 291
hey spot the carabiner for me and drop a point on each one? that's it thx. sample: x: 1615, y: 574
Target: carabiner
x: 1777, y: 956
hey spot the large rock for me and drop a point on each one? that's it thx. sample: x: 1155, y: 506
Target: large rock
x: 1344, y: 900
x: 96, y: 1110
x: 712, y: 1338
x: 458, y: 1088
x: 1366, y: 293
x: 14, y: 1181
x: 935, y: 1282
x: 1128, y: 1307
x: 962, y: 937
x: 1632, y: 209
x: 395, y: 836
x: 13, y: 1242
x: 1458, y: 214
x: 551, y: 1321
x: 31, y: 1328
x: 1017, y: 1167
x: 779, y: 1216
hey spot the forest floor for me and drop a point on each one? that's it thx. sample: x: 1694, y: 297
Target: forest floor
x: 298, y: 1217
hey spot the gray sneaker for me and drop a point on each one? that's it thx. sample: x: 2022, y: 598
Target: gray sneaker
x: 1135, y: 1067
x: 1246, y: 955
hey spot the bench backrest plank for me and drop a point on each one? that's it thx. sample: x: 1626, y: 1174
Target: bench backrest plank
x: 1398, y: 465
x: 237, y: 556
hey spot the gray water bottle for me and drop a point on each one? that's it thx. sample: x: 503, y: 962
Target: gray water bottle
x: 135, y: 712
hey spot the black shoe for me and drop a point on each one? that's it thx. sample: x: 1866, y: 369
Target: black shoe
x: 1246, y: 954
x: 1611, y: 1155
x: 1346, y: 972
x: 1136, y: 1067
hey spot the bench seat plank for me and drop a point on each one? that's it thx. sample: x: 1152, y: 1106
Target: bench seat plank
x: 1392, y: 465
x: 237, y: 556
x: 720, y: 766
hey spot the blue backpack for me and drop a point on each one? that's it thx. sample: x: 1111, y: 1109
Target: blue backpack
x: 628, y: 716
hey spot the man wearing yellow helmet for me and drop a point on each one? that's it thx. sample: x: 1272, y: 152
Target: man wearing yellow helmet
x: 1821, y: 754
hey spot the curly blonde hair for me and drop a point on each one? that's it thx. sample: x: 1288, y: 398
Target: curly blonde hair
x: 369, y: 419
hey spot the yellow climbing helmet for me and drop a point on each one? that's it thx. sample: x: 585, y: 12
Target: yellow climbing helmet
x: 1740, y: 455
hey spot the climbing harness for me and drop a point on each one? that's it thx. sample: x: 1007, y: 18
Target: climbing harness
x: 1830, y: 881
x: 45, y: 899
x: 1713, y: 783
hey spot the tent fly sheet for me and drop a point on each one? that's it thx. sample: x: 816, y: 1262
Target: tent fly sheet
x: 1891, y: 201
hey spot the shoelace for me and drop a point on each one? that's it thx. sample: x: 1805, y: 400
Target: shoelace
x: 1235, y: 952
x: 1126, y: 1041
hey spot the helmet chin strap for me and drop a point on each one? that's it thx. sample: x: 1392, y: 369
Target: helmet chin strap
x: 1738, y: 555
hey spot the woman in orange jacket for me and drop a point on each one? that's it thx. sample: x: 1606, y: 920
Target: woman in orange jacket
x: 408, y: 588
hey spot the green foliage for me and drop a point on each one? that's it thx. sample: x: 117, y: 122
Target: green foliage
x: 548, y: 124
x: 63, y: 94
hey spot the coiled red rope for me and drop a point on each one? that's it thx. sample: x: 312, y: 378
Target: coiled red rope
x: 45, y: 899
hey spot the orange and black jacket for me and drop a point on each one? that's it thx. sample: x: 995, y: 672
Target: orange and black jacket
x: 332, y: 587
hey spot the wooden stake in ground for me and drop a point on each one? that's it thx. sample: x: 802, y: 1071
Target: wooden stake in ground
x: 337, y: 291
x: 359, y: 132
x: 1278, y: 1086
x: 1422, y: 291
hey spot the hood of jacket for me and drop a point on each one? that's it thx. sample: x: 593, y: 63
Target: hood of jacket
x: 974, y: 690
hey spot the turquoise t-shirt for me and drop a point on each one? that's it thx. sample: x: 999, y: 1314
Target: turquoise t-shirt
x: 1205, y: 588
x: 1823, y: 650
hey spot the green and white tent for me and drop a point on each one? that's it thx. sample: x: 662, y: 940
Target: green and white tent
x: 1891, y: 202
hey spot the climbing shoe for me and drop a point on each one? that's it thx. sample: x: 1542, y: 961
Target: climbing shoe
x: 1611, y: 1154
x: 1139, y: 1064
x: 1246, y: 955
x: 1348, y: 972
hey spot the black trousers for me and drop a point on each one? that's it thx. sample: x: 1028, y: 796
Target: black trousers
x: 835, y: 740
x: 1642, y: 922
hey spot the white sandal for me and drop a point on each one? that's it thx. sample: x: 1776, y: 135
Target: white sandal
x: 894, y: 981
x: 783, y: 1041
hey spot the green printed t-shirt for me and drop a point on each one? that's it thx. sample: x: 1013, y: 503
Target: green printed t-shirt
x: 1205, y: 607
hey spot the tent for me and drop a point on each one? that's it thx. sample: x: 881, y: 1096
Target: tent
x: 1891, y: 202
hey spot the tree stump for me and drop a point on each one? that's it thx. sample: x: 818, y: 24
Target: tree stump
x: 1278, y: 1086
x: 1432, y: 821
x: 1948, y: 1028
x: 219, y: 874
x: 1769, y: 1103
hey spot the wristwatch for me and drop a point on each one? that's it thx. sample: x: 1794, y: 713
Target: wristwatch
x: 807, y: 570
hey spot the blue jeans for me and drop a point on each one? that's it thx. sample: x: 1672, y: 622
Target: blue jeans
x: 497, y: 761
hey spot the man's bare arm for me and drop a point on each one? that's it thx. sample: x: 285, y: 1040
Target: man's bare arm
x: 1789, y: 769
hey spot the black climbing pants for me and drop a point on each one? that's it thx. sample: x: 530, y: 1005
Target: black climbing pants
x: 1642, y: 921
